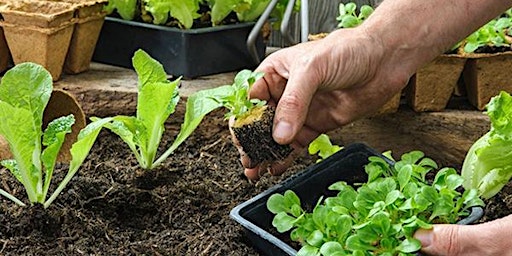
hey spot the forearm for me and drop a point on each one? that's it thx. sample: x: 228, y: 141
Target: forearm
x: 413, y: 32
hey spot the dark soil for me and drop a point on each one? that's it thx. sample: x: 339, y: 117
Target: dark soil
x: 258, y: 130
x: 111, y: 207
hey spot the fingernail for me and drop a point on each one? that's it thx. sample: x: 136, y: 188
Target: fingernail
x: 425, y: 237
x: 282, y: 131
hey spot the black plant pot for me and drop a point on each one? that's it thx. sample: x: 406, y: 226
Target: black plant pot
x: 189, y: 53
x: 347, y: 165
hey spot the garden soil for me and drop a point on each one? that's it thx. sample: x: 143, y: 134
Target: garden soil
x: 112, y: 207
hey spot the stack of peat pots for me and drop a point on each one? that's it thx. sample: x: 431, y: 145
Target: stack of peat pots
x: 55, y: 34
x: 432, y: 86
x: 485, y: 75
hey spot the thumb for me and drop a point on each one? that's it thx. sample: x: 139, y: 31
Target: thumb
x: 451, y: 239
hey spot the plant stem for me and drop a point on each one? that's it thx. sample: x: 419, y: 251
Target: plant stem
x: 12, y: 198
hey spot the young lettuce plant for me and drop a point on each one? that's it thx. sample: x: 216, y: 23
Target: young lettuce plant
x: 323, y: 147
x: 24, y: 94
x: 488, y: 163
x: 253, y: 118
x: 348, y: 18
x: 494, y: 33
x: 380, y: 216
x: 156, y: 101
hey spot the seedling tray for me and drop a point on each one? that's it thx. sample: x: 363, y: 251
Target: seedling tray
x: 310, y: 184
x: 189, y: 53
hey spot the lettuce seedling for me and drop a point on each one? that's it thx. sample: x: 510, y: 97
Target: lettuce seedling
x: 322, y: 147
x: 348, y: 18
x: 125, y: 8
x: 491, y: 34
x: 156, y: 101
x: 185, y: 11
x: 380, y: 216
x: 253, y: 118
x: 24, y: 94
x: 488, y: 163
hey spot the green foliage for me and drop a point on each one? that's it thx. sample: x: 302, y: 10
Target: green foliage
x: 162, y: 12
x: 125, y: 8
x: 185, y: 11
x: 24, y: 93
x: 156, y: 101
x: 495, y: 33
x: 323, y: 147
x: 348, y: 16
x: 234, y: 97
x: 488, y: 163
x: 379, y: 217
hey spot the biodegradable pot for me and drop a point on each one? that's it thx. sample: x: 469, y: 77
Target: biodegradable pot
x: 83, y: 42
x: 432, y: 86
x: 485, y: 75
x: 89, y: 19
x: 60, y: 104
x: 391, y: 106
x: 311, y: 184
x: 39, y: 32
x: 189, y: 53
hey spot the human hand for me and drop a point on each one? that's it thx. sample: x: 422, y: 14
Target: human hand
x: 490, y: 238
x: 322, y: 85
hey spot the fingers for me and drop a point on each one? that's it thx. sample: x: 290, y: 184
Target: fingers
x: 292, y: 108
x: 489, y: 238
x: 275, y: 168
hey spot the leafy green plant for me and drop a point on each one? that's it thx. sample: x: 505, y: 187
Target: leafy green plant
x: 488, y: 163
x: 380, y: 216
x: 24, y: 93
x: 323, y: 147
x: 234, y: 97
x: 156, y: 101
x: 348, y: 18
x: 491, y: 34
x: 185, y: 12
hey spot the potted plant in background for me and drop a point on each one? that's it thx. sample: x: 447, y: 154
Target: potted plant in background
x: 190, y: 38
x: 53, y: 33
x: 489, y: 57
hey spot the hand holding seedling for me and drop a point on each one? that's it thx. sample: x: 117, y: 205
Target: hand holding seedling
x: 322, y: 85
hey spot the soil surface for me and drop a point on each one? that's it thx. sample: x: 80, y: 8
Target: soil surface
x: 112, y: 207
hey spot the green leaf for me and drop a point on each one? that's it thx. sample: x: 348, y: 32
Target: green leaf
x: 221, y: 9
x: 409, y: 245
x: 332, y: 248
x: 323, y: 147
x: 316, y: 238
x: 156, y: 101
x: 185, y: 11
x: 12, y: 166
x: 125, y: 8
x: 308, y: 250
x: 356, y: 242
x: 24, y: 94
x: 275, y: 204
x: 283, y: 222
x: 53, y: 138
x: 488, y: 164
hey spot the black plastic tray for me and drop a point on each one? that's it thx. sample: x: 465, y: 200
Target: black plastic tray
x: 347, y: 164
x: 189, y: 53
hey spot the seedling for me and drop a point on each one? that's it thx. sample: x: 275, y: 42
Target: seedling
x: 488, y: 163
x: 24, y: 93
x: 156, y: 101
x: 253, y: 118
x: 323, y: 147
x: 348, y: 18
x: 378, y: 217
